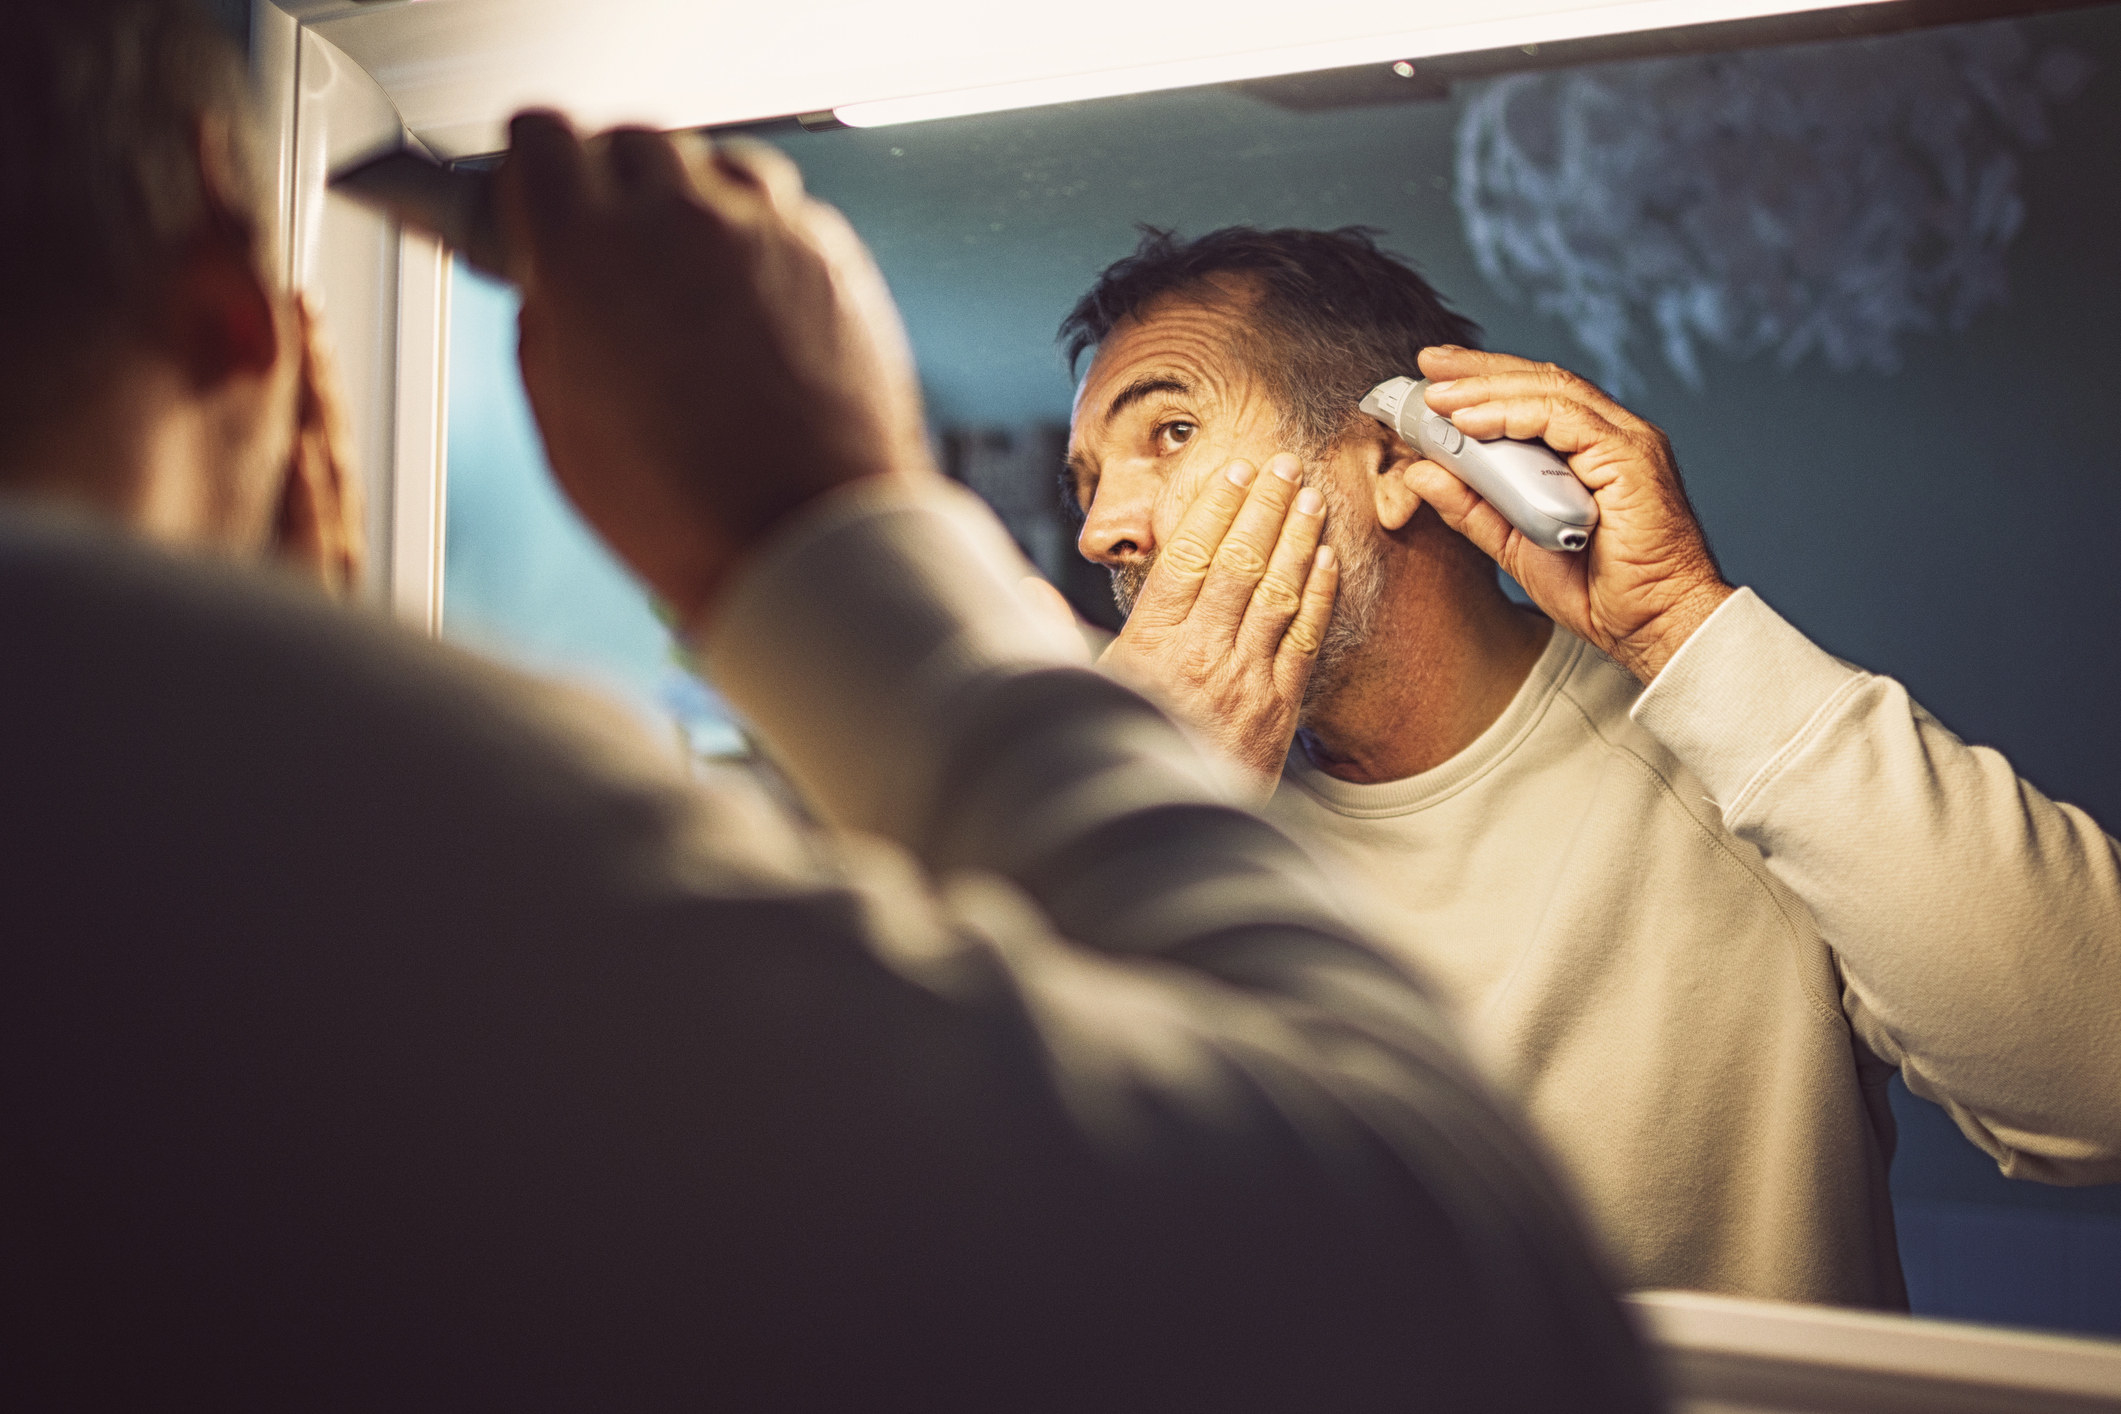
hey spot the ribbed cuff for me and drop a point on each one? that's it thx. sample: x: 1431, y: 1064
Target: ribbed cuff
x: 1738, y: 692
x: 845, y: 636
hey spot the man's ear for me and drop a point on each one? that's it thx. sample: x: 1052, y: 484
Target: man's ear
x: 221, y: 320
x: 1396, y: 501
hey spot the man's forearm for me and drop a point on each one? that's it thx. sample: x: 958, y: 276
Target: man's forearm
x: 881, y: 651
x: 1978, y: 922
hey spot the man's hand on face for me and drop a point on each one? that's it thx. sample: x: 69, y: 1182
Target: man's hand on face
x: 705, y: 346
x: 320, y: 534
x: 1647, y: 580
x: 1230, y: 617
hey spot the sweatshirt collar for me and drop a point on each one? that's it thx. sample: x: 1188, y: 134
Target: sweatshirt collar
x: 1561, y: 655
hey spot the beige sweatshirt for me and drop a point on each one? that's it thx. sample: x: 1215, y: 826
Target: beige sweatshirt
x: 1696, y: 927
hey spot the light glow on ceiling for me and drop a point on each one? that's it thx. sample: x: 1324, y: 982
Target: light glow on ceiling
x: 456, y: 69
x: 1450, y: 36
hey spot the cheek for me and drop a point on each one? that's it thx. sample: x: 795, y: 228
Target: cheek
x: 1351, y: 512
x: 1178, y: 492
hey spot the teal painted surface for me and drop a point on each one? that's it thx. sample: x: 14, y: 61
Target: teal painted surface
x: 525, y: 580
x: 2013, y: 1266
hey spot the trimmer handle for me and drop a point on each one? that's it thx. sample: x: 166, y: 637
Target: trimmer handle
x: 1527, y: 481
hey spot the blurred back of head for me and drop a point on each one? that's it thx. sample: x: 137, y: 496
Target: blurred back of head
x: 125, y: 132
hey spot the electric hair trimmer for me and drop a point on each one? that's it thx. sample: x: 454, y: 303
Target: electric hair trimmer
x: 454, y: 205
x: 1527, y: 481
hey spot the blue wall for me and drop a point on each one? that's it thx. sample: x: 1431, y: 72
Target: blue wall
x: 524, y: 578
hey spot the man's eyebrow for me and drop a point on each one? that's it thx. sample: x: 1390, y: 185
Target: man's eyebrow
x: 1141, y: 388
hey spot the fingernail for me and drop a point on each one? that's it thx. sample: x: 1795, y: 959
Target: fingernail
x: 1240, y: 473
x: 1286, y: 467
x: 1325, y: 557
x: 1444, y: 387
x: 1308, y: 501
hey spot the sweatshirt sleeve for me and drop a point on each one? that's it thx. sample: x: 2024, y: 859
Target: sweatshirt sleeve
x: 1977, y: 923
x: 881, y: 651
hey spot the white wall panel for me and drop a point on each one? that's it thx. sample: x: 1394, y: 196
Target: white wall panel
x: 382, y: 299
x: 275, y: 40
x: 346, y: 264
x: 1724, y: 1355
x: 458, y: 68
x: 420, y: 448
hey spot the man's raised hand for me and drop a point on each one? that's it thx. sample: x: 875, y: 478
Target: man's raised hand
x: 706, y: 347
x: 319, y: 532
x: 1232, y: 614
x: 1647, y: 580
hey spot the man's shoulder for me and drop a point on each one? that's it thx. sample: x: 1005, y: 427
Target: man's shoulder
x: 136, y: 668
x: 98, y: 623
x: 84, y: 595
x: 1601, y: 694
x: 1599, y: 688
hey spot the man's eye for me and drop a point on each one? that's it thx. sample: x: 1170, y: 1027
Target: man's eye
x: 1170, y: 436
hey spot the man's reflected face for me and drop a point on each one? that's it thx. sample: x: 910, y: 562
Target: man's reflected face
x: 1167, y: 402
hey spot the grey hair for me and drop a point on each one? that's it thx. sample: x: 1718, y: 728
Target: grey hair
x: 1332, y: 313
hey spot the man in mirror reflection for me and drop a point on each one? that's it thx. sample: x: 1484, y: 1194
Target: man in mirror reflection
x: 381, y: 1029
x: 1694, y: 887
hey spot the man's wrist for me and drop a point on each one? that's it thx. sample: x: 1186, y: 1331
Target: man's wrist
x: 1745, y: 686
x: 844, y: 639
x: 1660, y: 640
x: 733, y: 552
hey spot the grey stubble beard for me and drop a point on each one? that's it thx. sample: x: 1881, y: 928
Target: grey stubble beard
x: 1355, y: 602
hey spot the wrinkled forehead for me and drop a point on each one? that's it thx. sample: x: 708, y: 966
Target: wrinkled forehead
x: 1195, y: 338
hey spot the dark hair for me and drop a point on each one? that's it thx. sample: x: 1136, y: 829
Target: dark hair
x: 1333, y: 314
x: 101, y: 103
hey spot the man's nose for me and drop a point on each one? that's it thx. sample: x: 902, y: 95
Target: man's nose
x: 1116, y: 529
